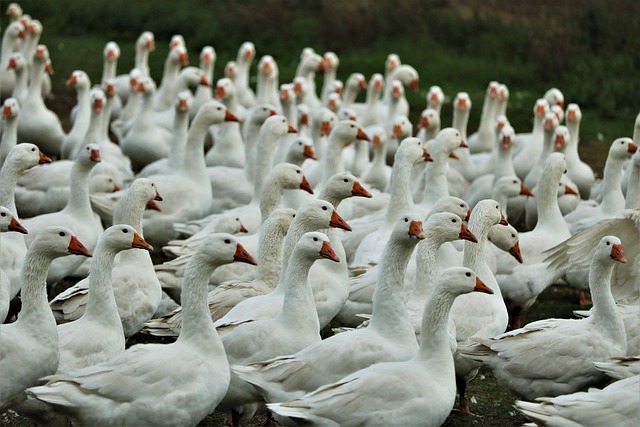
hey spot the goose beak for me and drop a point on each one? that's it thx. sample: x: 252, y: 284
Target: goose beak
x: 242, y: 255
x: 308, y: 152
x: 524, y: 191
x: 617, y: 254
x: 338, y: 222
x: 14, y: 225
x: 327, y: 252
x: 361, y: 135
x: 228, y: 117
x: 140, y: 243
x: 416, y: 230
x: 466, y: 234
x: 153, y: 206
x: 304, y: 185
x: 515, y: 252
x: 359, y: 191
x: 481, y: 287
x: 77, y: 248
x: 43, y: 159
x: 503, y: 220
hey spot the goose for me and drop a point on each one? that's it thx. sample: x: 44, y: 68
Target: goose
x: 529, y: 146
x: 228, y: 294
x: 313, y: 215
x: 199, y: 370
x: 37, y: 123
x: 76, y: 215
x: 258, y: 165
x: 435, y: 98
x: 616, y: 403
x: 366, y: 397
x: 111, y: 54
x: 410, y: 152
x: 21, y: 158
x: 185, y: 196
x: 482, y: 140
x: 8, y: 222
x: 575, y: 252
x: 145, y: 44
x: 15, y: 31
x: 183, y: 105
x: 135, y: 285
x: 228, y: 147
x: 521, y: 284
x: 476, y: 315
x: 294, y: 328
x: 363, y: 278
x: 389, y: 336
x: 579, y: 172
x: 519, y: 359
x: 145, y: 141
x: 204, y: 93
x: 176, y: 58
x: 97, y: 334
x: 246, y: 55
x: 74, y: 139
x: 10, y: 111
x: 613, y: 201
x: 30, y: 344
x: 18, y: 64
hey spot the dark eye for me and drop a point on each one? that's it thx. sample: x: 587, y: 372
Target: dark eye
x: 467, y: 274
x: 62, y: 233
x: 324, y: 208
x: 124, y: 230
x: 227, y: 241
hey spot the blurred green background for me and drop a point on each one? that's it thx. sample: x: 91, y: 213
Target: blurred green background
x: 590, y: 49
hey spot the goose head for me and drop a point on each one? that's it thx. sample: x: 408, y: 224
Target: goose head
x: 505, y: 238
x: 412, y: 149
x: 57, y: 241
x: 121, y: 237
x: 10, y: 109
x: 460, y: 280
x: 26, y: 155
x: 435, y: 97
x: 315, y: 245
x: 8, y: 222
x: 447, y: 227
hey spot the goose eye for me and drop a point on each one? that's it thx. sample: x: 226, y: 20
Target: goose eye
x: 324, y: 208
x: 227, y: 241
x: 467, y: 274
x: 62, y: 233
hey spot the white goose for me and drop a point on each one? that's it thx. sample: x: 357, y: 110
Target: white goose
x: 76, y: 215
x: 478, y: 315
x: 135, y: 285
x: 97, y: 334
x: 21, y: 158
x: 185, y: 196
x: 30, y: 344
x: 519, y: 359
x: 393, y: 393
x: 292, y: 329
x: 37, y: 123
x: 10, y: 111
x: 7, y: 223
x: 199, y: 371
x: 389, y: 336
x: 228, y: 294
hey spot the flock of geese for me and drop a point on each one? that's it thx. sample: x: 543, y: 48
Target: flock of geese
x: 292, y: 209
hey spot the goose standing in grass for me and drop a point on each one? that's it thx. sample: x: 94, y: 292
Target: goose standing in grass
x: 30, y: 345
x: 419, y: 391
x: 520, y: 358
x: 198, y: 377
x: 7, y: 223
